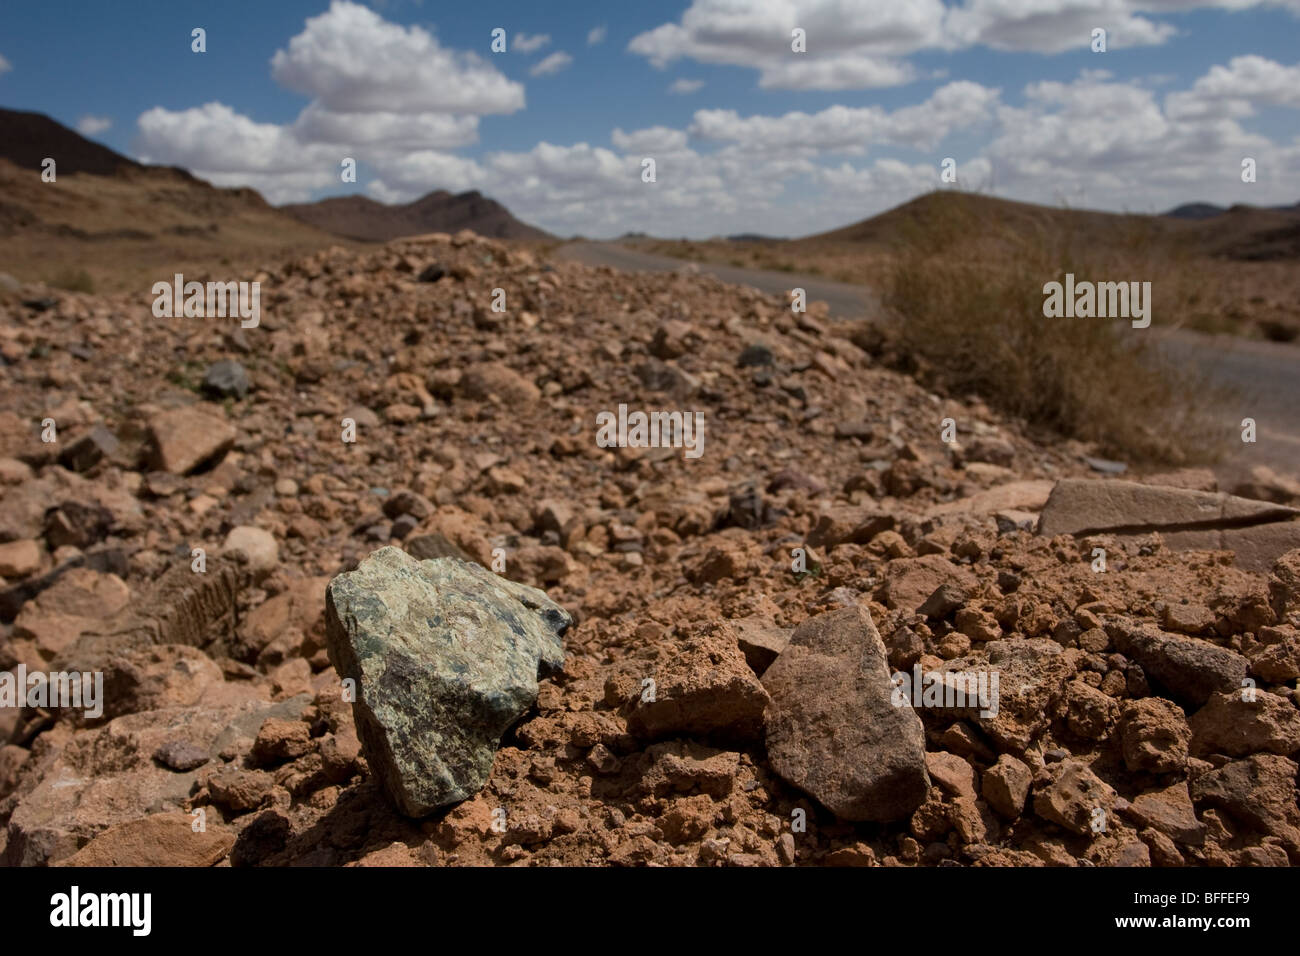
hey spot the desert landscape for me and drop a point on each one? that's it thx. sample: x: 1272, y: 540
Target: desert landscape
x: 472, y: 544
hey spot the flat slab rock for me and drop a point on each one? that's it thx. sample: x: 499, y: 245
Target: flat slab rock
x: 832, y: 729
x: 1258, y: 532
x: 446, y: 656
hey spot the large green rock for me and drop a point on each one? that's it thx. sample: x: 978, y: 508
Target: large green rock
x: 446, y: 656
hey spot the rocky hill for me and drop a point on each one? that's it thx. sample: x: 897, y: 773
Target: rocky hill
x: 26, y: 139
x: 359, y: 217
x: 109, y: 223
x: 735, y: 657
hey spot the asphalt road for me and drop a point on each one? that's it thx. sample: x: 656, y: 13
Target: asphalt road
x: 1263, y: 378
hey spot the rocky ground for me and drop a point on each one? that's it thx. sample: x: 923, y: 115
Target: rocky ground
x: 1146, y: 643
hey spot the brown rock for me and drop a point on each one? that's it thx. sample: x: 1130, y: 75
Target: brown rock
x: 703, y: 688
x: 910, y: 581
x: 1081, y: 506
x: 281, y: 740
x: 1190, y: 669
x: 1240, y: 723
x: 1168, y: 810
x: 258, y: 544
x: 1154, y: 736
x: 1278, y: 662
x: 954, y: 775
x: 1006, y: 786
x: 240, y: 790
x: 19, y: 559
x: 186, y: 438
x: 760, y: 641
x: 495, y: 379
x: 163, y: 839
x: 1074, y: 798
x: 1088, y: 712
x: 832, y: 729
x: 1259, y: 791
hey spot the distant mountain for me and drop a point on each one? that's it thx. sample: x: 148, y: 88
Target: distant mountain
x: 1196, y: 210
x: 359, y: 217
x: 26, y: 139
x: 114, y: 223
x: 1250, y: 233
x: 1205, y: 210
x: 753, y: 237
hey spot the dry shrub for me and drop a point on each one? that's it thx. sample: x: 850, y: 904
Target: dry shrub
x: 972, y: 322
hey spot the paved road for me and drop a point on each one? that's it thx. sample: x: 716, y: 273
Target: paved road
x: 1264, y: 377
x: 844, y: 299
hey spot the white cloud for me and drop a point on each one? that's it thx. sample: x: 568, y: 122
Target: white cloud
x: 531, y: 44
x: 413, y: 174
x: 860, y: 44
x: 1069, y: 140
x: 596, y: 35
x: 229, y: 149
x: 390, y: 97
x: 554, y: 63
x: 850, y: 43
x: 1236, y: 89
x: 93, y: 125
x: 923, y: 126
x: 351, y: 60
x: 1054, y: 26
x: 684, y: 87
x: 5, y: 65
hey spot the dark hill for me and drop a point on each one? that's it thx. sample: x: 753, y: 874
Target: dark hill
x: 359, y: 217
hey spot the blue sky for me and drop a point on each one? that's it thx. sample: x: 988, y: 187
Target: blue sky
x: 747, y: 135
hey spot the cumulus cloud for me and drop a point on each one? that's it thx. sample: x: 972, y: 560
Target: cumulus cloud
x: 1237, y: 89
x: 554, y: 63
x: 351, y: 60
x: 387, y: 95
x: 861, y: 44
x: 923, y: 126
x: 1069, y: 140
x: 850, y: 43
x: 596, y: 35
x: 5, y: 65
x: 1054, y: 26
x: 684, y: 87
x: 93, y: 125
x: 412, y: 175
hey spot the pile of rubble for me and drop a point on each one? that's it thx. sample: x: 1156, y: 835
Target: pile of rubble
x: 750, y: 637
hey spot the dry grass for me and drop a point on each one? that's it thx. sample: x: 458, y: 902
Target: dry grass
x: 972, y: 325
x: 1194, y: 287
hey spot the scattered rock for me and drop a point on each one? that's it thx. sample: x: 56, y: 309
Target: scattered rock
x: 259, y: 545
x: 226, y: 379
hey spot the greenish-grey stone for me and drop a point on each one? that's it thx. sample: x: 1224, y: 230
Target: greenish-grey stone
x: 446, y: 656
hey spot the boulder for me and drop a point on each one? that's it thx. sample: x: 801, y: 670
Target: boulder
x: 445, y: 656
